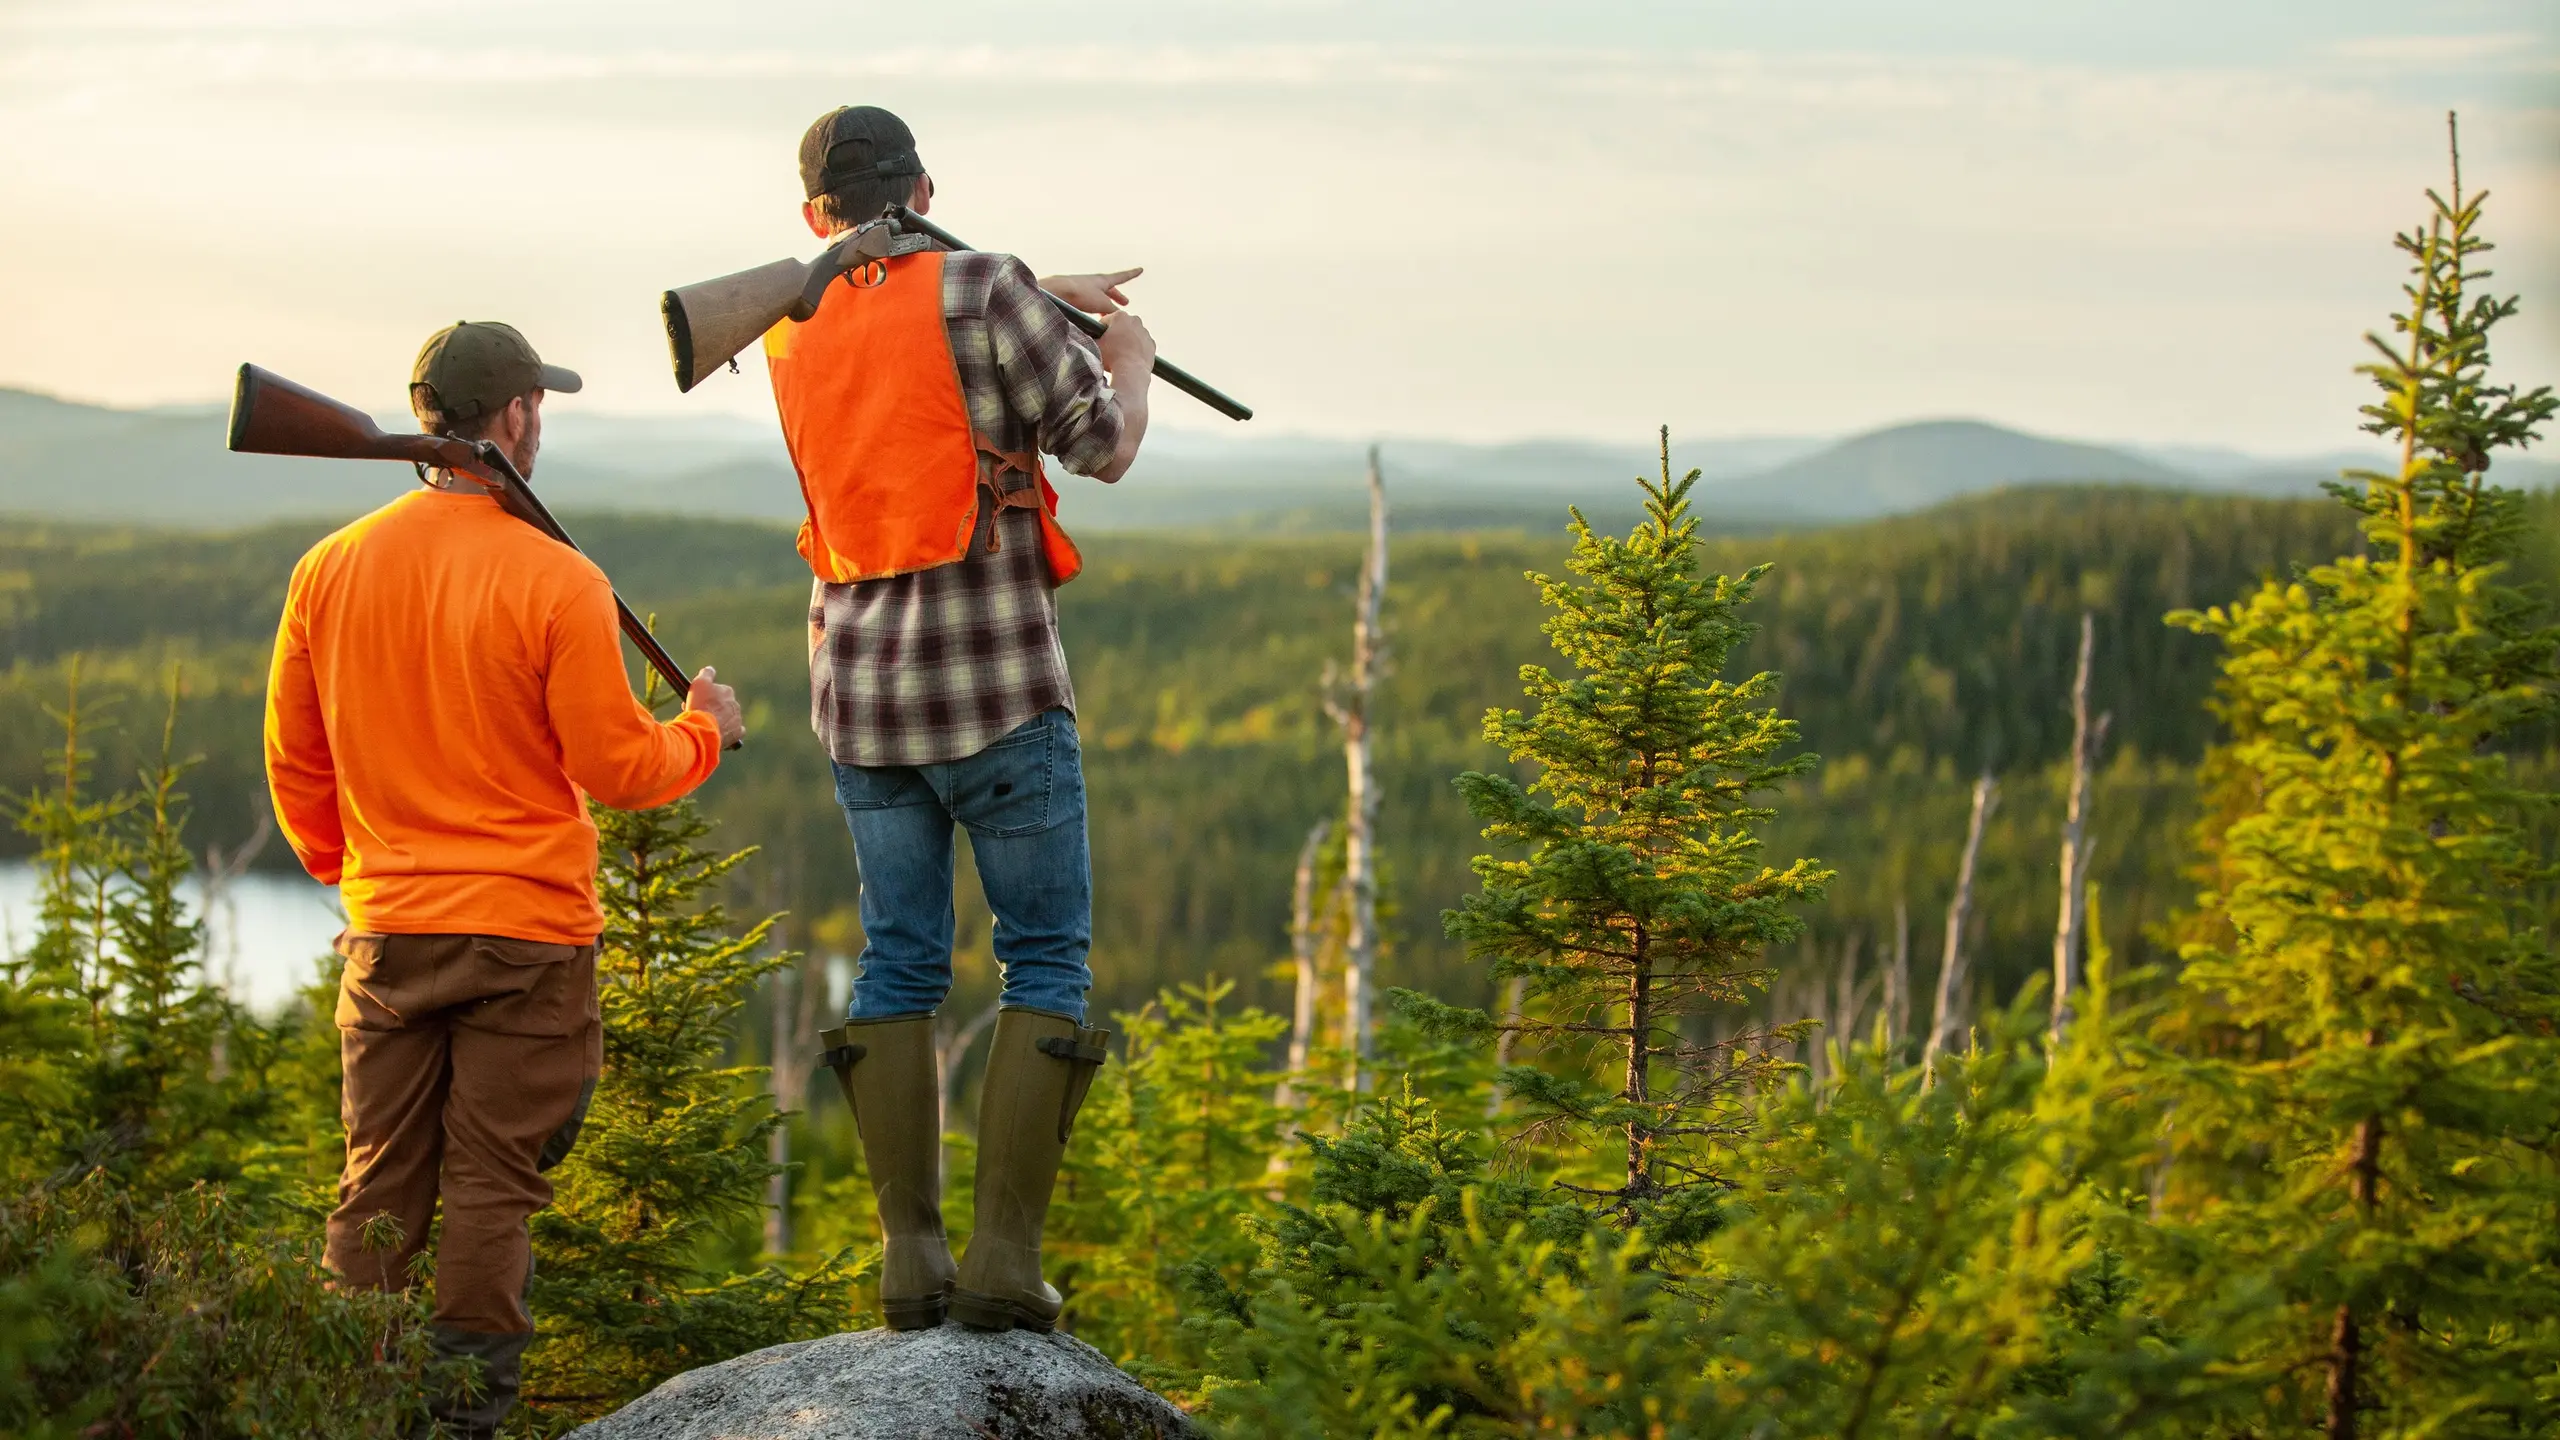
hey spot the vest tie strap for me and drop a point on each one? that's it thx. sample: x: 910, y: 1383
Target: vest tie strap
x: 1022, y: 494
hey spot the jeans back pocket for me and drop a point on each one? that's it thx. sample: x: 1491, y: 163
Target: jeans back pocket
x: 1004, y: 789
x: 879, y: 787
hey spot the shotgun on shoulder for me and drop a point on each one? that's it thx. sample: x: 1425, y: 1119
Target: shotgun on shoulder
x: 271, y: 415
x: 709, y: 323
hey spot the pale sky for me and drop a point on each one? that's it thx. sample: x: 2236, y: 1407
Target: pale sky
x: 1472, y: 219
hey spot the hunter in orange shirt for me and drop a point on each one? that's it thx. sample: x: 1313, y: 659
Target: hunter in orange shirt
x: 447, y: 693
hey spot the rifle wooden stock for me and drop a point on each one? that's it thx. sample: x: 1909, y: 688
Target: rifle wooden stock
x: 710, y: 322
x: 271, y: 415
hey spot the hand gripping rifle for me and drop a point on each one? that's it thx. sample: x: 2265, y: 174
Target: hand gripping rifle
x: 709, y: 323
x: 271, y: 415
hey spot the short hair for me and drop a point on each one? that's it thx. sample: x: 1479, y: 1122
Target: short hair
x: 422, y: 403
x: 862, y: 201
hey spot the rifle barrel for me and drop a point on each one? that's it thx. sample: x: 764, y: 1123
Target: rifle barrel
x: 530, y: 509
x: 1173, y: 375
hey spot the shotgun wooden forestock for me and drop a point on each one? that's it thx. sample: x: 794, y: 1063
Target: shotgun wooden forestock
x: 271, y: 415
x: 709, y: 323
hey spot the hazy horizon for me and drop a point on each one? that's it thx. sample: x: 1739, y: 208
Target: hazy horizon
x: 1480, y: 224
x: 567, y: 421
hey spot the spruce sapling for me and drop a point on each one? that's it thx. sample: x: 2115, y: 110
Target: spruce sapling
x: 672, y: 1156
x: 1642, y: 900
x: 2373, y: 1073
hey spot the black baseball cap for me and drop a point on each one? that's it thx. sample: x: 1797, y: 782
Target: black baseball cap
x: 854, y: 143
x: 471, y: 367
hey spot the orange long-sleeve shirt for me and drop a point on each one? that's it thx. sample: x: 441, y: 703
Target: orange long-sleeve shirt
x: 447, y: 690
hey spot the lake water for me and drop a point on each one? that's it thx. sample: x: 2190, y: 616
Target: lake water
x: 264, y: 940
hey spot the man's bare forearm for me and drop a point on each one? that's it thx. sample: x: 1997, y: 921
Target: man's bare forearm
x: 1129, y: 354
x: 1133, y: 428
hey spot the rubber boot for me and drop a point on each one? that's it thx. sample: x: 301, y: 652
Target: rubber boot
x: 1038, y: 1069
x: 889, y: 1075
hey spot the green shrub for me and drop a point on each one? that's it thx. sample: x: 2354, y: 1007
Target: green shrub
x: 188, y: 1315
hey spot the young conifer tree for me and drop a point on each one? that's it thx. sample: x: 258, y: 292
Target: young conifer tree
x: 1642, y: 899
x: 2369, y: 1027
x: 116, y: 948
x: 144, y: 1290
x: 58, y: 985
x: 1172, y: 1153
x: 671, y: 1162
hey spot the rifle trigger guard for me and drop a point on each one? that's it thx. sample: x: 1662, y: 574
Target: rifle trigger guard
x: 860, y: 257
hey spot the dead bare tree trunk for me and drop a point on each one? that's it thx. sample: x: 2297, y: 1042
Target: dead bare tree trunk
x: 221, y: 869
x: 1302, y: 949
x: 1817, y: 1055
x: 1897, y: 977
x: 1845, y: 989
x: 1349, y: 707
x: 1835, y: 1006
x: 797, y: 995
x: 950, y: 1049
x: 2086, y: 738
x: 1944, y: 1019
x: 1515, y: 994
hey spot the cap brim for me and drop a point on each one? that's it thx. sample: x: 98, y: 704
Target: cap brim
x: 561, y: 380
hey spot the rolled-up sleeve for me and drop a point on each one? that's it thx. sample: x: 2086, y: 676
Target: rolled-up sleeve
x: 610, y: 744
x: 1051, y: 373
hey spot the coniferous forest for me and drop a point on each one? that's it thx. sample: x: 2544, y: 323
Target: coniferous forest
x: 1744, y: 1066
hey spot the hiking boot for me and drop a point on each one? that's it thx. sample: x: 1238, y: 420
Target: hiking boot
x: 1038, y: 1069
x: 482, y: 1371
x: 889, y: 1076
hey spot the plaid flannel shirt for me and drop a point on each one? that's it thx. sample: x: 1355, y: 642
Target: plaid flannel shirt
x: 936, y: 665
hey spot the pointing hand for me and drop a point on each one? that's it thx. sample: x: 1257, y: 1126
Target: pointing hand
x: 1093, y: 294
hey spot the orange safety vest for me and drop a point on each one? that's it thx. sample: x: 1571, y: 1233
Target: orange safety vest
x: 880, y: 433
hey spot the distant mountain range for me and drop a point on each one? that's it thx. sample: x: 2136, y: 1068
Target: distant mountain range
x: 65, y: 461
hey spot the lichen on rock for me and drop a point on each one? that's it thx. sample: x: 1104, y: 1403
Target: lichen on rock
x: 918, y: 1385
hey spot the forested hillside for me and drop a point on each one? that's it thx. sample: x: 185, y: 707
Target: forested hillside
x: 168, y: 465
x: 1915, y: 653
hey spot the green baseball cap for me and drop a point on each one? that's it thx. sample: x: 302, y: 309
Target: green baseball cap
x: 471, y: 367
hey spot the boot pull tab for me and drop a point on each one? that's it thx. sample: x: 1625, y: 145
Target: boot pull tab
x: 840, y: 1053
x: 838, y: 1056
x: 1077, y: 1049
x: 1088, y: 1051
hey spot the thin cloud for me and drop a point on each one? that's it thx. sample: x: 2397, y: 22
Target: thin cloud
x: 1768, y: 240
x: 2512, y: 50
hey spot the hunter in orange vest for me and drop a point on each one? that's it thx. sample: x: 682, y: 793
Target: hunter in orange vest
x: 917, y: 401
x: 870, y: 397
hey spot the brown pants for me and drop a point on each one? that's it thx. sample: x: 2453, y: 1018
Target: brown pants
x: 469, y: 1060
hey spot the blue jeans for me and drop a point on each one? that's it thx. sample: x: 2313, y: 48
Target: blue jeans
x: 1023, y: 801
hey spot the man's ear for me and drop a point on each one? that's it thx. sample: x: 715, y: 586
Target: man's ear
x: 509, y: 425
x: 817, y: 223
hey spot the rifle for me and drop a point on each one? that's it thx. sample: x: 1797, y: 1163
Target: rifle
x: 271, y: 415
x: 709, y: 323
